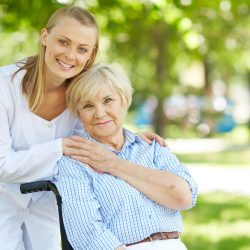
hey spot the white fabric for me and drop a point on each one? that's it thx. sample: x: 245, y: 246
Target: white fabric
x: 29, y: 149
x: 34, y: 227
x: 173, y: 244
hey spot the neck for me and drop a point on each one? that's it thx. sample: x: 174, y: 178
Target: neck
x: 115, y: 142
x: 53, y: 83
x: 55, y: 89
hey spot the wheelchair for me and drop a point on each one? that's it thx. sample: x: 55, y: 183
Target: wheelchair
x: 39, y: 186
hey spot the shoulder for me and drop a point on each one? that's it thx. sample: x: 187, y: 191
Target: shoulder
x: 133, y: 139
x: 72, y: 168
x: 10, y: 88
x: 8, y: 70
x: 137, y: 149
x: 7, y: 78
x: 161, y: 151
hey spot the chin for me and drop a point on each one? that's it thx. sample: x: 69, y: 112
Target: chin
x: 101, y: 135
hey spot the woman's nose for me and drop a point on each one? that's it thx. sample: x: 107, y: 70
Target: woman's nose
x: 70, y: 53
x: 100, y: 112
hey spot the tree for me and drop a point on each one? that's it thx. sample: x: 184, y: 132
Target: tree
x: 151, y: 36
x: 154, y: 40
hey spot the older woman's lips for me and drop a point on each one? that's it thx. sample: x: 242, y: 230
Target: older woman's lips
x: 102, y: 123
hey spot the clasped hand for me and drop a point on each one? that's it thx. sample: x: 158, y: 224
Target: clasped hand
x: 89, y: 152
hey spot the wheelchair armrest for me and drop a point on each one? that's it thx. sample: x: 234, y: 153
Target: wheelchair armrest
x: 36, y: 186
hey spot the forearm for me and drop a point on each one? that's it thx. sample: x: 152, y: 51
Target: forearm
x: 36, y: 163
x: 162, y: 187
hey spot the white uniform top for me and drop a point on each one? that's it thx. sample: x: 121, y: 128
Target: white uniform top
x: 30, y: 146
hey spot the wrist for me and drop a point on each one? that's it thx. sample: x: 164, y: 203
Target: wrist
x: 116, y: 166
x: 121, y: 248
x: 113, y: 165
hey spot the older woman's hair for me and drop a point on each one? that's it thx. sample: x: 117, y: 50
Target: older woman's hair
x: 86, y: 86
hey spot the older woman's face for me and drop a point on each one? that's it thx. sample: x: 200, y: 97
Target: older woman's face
x: 103, y: 115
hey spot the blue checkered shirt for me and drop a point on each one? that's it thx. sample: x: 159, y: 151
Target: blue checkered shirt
x: 102, y: 212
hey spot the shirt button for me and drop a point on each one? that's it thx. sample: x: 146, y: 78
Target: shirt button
x: 50, y: 125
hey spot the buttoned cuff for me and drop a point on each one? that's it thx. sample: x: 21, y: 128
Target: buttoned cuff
x: 192, y: 184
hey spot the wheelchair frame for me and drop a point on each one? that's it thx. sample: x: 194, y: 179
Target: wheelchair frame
x: 39, y: 186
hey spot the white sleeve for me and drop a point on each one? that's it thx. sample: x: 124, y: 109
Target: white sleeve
x: 78, y: 130
x: 34, y: 163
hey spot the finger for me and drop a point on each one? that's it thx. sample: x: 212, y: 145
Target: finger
x: 71, y: 143
x: 145, y: 139
x: 86, y: 163
x: 79, y: 144
x: 71, y: 151
x: 82, y: 140
x: 165, y: 144
x: 160, y: 140
x: 77, y: 138
x: 82, y: 159
x: 76, y: 152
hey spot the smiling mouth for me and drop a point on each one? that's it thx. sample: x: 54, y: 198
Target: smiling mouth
x: 102, y: 123
x: 63, y: 65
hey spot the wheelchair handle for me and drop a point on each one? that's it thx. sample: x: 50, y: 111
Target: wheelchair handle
x: 47, y: 185
x: 36, y: 186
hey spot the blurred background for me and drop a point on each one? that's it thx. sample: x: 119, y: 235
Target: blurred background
x: 189, y: 62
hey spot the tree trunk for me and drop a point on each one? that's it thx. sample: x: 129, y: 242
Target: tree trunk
x: 160, y: 36
x: 248, y: 78
x: 207, y: 87
x: 160, y: 120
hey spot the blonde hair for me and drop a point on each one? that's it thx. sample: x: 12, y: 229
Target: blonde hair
x: 33, y: 83
x: 87, y: 85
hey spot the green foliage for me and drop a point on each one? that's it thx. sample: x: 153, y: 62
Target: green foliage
x: 236, y: 156
x: 154, y: 40
x: 34, y: 13
x: 158, y: 39
x: 219, y: 221
x: 20, y: 25
x: 16, y: 46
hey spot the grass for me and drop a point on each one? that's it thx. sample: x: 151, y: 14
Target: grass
x: 219, y: 221
x: 232, y: 157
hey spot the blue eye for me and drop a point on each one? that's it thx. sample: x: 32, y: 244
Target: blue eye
x: 82, y: 50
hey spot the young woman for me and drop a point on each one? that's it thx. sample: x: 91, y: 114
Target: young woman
x: 34, y: 118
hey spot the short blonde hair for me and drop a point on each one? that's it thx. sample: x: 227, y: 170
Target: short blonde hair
x: 86, y: 85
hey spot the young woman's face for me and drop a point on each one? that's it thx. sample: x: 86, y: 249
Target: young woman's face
x: 69, y: 46
x: 103, y: 115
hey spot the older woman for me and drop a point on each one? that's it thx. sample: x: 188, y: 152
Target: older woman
x: 122, y: 193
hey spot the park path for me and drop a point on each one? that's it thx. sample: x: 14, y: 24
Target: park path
x: 209, y: 178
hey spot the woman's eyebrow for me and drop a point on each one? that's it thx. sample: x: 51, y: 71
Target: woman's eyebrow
x: 68, y: 39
